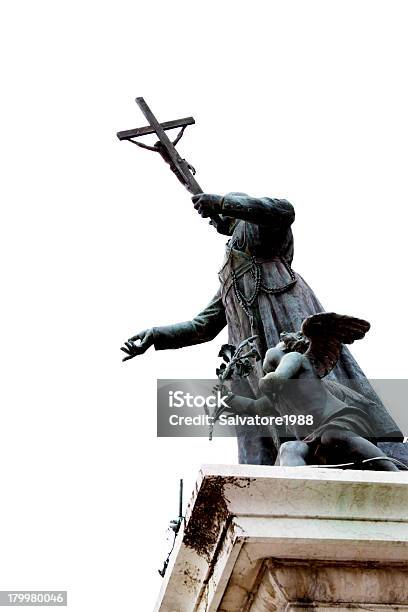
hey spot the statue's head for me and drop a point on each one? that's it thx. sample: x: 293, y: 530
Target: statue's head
x: 293, y: 341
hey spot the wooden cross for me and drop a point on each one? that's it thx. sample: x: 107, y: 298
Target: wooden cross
x: 181, y: 168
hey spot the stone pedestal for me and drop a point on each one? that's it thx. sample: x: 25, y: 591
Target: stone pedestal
x: 260, y: 538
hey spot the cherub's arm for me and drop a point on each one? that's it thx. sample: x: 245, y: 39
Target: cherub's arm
x: 245, y: 405
x: 272, y: 358
x: 289, y: 367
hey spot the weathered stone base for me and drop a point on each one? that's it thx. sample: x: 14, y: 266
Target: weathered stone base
x: 261, y: 538
x: 321, y: 585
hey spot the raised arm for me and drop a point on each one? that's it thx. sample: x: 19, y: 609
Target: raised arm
x: 263, y: 211
x: 202, y: 328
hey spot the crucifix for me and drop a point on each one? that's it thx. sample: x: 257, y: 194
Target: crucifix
x: 167, y: 149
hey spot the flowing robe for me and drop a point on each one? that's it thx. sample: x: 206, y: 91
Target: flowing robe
x: 260, y: 294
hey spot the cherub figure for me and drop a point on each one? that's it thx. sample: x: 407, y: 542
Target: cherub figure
x: 340, y: 431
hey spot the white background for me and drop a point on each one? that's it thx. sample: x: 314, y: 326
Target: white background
x: 303, y: 100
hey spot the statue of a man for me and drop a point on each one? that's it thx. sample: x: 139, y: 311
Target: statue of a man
x: 259, y: 294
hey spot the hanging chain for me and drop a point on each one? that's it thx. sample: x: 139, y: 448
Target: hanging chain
x: 256, y: 271
x: 283, y: 288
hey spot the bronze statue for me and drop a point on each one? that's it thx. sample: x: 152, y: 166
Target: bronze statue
x: 259, y: 293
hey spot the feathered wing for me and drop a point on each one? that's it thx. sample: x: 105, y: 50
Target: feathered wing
x: 327, y: 331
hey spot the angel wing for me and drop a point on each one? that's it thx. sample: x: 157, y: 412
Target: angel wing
x: 327, y: 331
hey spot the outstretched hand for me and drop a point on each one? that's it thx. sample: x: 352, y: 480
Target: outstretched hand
x: 207, y: 204
x: 144, y: 340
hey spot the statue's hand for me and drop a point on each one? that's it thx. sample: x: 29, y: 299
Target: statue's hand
x: 131, y: 349
x: 207, y: 204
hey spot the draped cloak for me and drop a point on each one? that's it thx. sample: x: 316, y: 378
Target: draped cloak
x: 260, y: 294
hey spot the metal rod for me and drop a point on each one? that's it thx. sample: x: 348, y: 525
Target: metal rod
x: 181, y: 499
